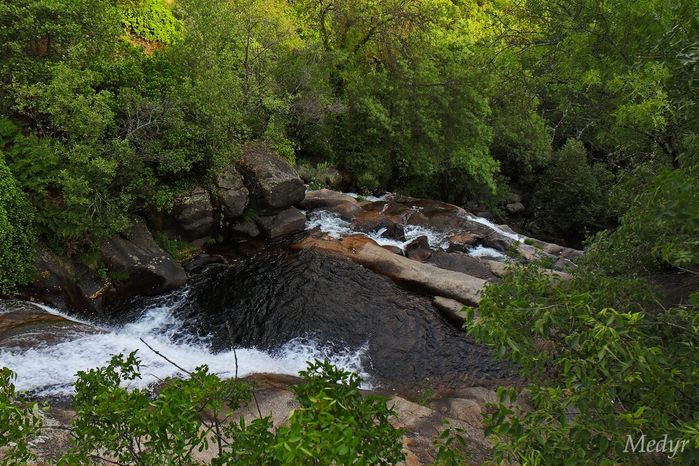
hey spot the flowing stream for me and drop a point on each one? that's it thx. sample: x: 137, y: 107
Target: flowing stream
x: 278, y: 309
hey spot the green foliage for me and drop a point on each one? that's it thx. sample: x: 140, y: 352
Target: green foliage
x: 151, y: 20
x: 335, y: 423
x: 134, y: 428
x: 572, y: 194
x: 20, y: 422
x: 659, y: 229
x: 17, y: 235
x: 602, y: 363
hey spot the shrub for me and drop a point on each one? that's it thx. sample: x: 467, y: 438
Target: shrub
x: 601, y: 363
x: 19, y: 420
x: 335, y: 424
x: 571, y: 195
x: 151, y: 20
x: 16, y: 233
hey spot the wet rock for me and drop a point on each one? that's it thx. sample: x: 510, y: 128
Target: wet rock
x: 364, y: 251
x: 246, y: 228
x: 343, y: 205
x: 459, y: 262
x: 26, y: 325
x: 202, y: 260
x: 67, y: 284
x: 272, y: 182
x: 233, y: 196
x: 393, y: 249
x: 419, y: 249
x: 147, y: 269
x: 324, y: 199
x: 463, y: 241
x: 452, y: 310
x: 287, y: 222
x: 499, y: 243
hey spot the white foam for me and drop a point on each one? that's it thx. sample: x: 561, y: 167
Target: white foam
x: 49, y: 369
x: 335, y: 227
x: 383, y: 197
x: 482, y: 251
x: 329, y: 223
x: 488, y: 223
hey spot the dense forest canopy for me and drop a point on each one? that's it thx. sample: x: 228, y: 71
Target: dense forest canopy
x: 586, y: 108
x: 109, y: 107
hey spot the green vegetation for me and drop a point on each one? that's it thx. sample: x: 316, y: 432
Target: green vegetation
x: 604, y: 356
x: 586, y: 107
x: 335, y: 423
x: 16, y: 232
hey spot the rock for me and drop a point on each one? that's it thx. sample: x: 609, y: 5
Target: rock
x: 346, y: 210
x: 26, y: 325
x: 463, y: 241
x: 514, y: 198
x: 423, y: 424
x: 343, y: 205
x: 233, y: 196
x: 247, y: 228
x: 148, y: 269
x: 564, y: 265
x: 419, y: 249
x: 515, y: 208
x: 272, y: 182
x: 459, y: 408
x: 66, y: 284
x: 459, y: 262
x: 287, y: 222
x: 393, y: 249
x: 499, y: 269
x: 499, y: 243
x: 366, y: 252
x: 202, y: 260
x: 324, y: 199
x: 306, y: 172
x: 333, y: 178
x: 452, y: 310
x: 193, y: 215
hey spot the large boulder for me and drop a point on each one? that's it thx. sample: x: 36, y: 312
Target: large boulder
x: 287, y: 222
x: 144, y: 266
x: 66, y: 284
x: 193, y: 215
x: 273, y: 183
x: 233, y: 196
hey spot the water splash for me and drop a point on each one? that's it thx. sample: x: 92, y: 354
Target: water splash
x: 497, y: 228
x: 335, y: 227
x: 50, y: 369
x: 482, y: 251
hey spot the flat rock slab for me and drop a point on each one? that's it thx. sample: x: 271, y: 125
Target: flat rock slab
x: 364, y: 251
